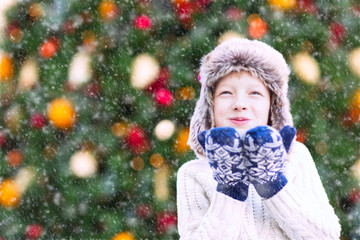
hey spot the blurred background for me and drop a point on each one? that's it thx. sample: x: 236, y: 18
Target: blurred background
x: 96, y: 98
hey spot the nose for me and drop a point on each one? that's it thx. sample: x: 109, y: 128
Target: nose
x: 240, y: 104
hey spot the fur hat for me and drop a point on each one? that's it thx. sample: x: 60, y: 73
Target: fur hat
x: 236, y: 55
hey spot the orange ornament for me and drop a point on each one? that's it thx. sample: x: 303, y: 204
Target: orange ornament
x: 356, y: 100
x: 257, y: 27
x: 14, y: 158
x: 36, y: 12
x: 16, y: 35
x: 124, y: 236
x: 9, y: 193
x: 108, y: 10
x: 6, y: 68
x: 180, y: 145
x: 48, y: 49
x: 301, y: 135
x: 89, y: 39
x: 61, y: 113
x: 354, y: 115
x: 156, y: 160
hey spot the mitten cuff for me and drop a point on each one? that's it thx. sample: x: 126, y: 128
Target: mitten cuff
x: 271, y: 188
x: 238, y: 191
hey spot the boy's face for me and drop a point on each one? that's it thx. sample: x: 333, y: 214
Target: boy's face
x: 241, y: 101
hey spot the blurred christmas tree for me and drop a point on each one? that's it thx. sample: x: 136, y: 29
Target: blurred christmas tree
x: 96, y: 98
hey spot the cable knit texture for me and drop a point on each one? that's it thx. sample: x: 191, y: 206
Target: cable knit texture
x: 301, y: 210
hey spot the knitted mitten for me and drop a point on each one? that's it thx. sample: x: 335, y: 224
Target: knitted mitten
x: 266, y: 152
x: 223, y: 149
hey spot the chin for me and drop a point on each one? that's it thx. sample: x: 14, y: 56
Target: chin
x: 241, y: 130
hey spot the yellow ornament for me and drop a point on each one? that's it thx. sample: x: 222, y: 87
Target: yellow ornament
x: 9, y: 193
x: 124, y: 236
x: 355, y: 169
x: 107, y: 10
x: 83, y: 164
x: 144, y: 71
x: 80, y: 71
x: 306, y: 68
x: 24, y: 178
x: 354, y: 61
x: 6, y: 68
x: 229, y: 35
x: 61, y: 113
x: 161, y: 183
x: 164, y: 130
x: 29, y: 75
x: 119, y: 129
x: 137, y: 163
x: 180, y: 145
x: 12, y: 118
x: 283, y: 4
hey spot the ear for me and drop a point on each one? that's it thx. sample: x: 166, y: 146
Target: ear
x: 288, y: 134
x: 201, y: 138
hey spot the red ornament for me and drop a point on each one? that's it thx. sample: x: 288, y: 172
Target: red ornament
x: 49, y: 48
x: 161, y: 82
x: 200, y: 5
x: 354, y: 195
x: 184, y: 11
x: 338, y: 33
x: 165, y: 221
x: 307, y: 6
x: 143, y: 22
x: 34, y: 231
x: 37, y: 120
x: 2, y: 139
x: 92, y: 90
x: 143, y: 210
x: 164, y: 97
x: 11, y: 27
x: 234, y: 14
x: 69, y: 26
x: 136, y: 140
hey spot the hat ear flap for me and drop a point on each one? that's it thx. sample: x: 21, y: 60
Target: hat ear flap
x: 288, y: 134
x: 202, y: 138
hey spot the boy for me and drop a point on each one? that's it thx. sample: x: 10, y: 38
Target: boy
x: 251, y: 180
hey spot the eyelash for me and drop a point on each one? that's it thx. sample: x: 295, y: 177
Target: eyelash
x: 225, y: 92
x: 257, y: 93
x: 251, y: 93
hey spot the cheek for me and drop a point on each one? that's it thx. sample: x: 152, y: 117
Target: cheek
x: 263, y: 111
x: 266, y: 111
x: 218, y: 112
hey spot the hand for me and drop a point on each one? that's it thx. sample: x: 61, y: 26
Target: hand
x: 266, y: 154
x: 223, y: 149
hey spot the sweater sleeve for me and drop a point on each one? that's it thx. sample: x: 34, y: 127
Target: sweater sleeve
x: 198, y: 217
x: 302, y: 208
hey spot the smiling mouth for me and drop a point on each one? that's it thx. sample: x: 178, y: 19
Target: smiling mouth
x: 239, y: 121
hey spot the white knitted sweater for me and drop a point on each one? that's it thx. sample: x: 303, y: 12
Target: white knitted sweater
x: 301, y: 210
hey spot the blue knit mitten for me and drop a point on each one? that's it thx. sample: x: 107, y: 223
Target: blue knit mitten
x: 266, y: 152
x: 223, y: 149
